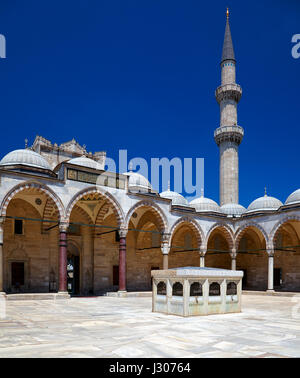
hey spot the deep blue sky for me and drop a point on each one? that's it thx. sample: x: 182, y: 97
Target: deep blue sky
x: 140, y: 75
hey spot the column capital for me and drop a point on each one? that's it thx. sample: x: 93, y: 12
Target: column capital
x: 165, y: 248
x: 203, y: 250
x: 270, y: 252
x: 63, y: 226
x: 123, y: 232
x: 2, y: 220
x: 233, y: 253
x: 165, y: 237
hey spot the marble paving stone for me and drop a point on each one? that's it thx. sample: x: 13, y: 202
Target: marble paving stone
x: 126, y: 327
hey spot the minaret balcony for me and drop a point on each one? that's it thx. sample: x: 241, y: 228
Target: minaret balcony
x: 232, y: 133
x: 228, y: 92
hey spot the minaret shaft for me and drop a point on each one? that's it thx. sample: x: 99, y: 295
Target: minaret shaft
x: 229, y: 135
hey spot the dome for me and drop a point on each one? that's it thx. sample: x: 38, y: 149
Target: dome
x: 25, y: 157
x: 264, y: 203
x: 177, y: 199
x: 294, y: 197
x: 84, y: 161
x: 203, y: 204
x: 233, y: 209
x: 138, y: 182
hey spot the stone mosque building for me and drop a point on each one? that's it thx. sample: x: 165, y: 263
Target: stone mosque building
x: 67, y: 225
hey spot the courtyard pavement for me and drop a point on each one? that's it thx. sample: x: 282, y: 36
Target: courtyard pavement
x: 125, y: 327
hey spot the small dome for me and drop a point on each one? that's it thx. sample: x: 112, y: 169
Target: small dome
x: 294, y: 197
x: 203, y: 204
x: 25, y: 157
x: 138, y: 182
x: 264, y: 203
x: 233, y: 209
x: 84, y: 161
x: 177, y: 199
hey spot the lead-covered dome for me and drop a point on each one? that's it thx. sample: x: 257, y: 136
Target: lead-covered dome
x: 84, y: 161
x: 25, y: 157
x: 203, y: 204
x: 177, y: 199
x: 264, y: 203
x: 233, y: 209
x: 138, y: 182
x: 294, y: 197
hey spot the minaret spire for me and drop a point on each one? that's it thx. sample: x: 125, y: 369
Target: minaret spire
x: 228, y: 51
x: 228, y: 135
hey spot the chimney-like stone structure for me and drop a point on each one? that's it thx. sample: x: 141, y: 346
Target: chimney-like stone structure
x: 229, y: 135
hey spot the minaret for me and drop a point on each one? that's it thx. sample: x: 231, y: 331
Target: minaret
x: 229, y: 135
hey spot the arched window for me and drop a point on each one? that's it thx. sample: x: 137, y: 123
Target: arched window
x: 161, y: 288
x: 214, y: 289
x: 231, y: 288
x: 196, y: 289
x: 177, y: 289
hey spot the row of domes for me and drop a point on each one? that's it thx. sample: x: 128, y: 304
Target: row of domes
x: 203, y: 204
x: 137, y: 182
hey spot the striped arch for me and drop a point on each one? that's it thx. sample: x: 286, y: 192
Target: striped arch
x: 193, y: 225
x: 95, y: 190
x: 279, y: 224
x: 227, y: 233
x: 39, y: 188
x: 81, y: 212
x: 163, y: 223
x: 102, y: 212
x: 241, y: 231
x: 50, y: 213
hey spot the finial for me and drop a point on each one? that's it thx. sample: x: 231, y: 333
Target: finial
x: 202, y: 192
x: 169, y: 186
x: 130, y: 167
x: 227, y: 14
x: 26, y: 143
x: 265, y: 191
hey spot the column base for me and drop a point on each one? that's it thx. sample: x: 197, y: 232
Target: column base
x: 270, y: 291
x: 62, y: 295
x: 122, y: 293
x: 2, y: 294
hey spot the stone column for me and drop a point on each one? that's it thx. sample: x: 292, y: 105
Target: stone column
x: 1, y: 258
x: 63, y: 257
x: 270, y: 270
x: 202, y: 256
x: 165, y: 248
x: 233, y: 259
x: 122, y: 261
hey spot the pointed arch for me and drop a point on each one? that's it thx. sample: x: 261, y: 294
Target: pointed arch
x: 163, y: 223
x: 39, y: 188
x: 192, y: 224
x: 95, y: 190
x: 252, y: 225
x: 288, y: 218
x: 227, y: 233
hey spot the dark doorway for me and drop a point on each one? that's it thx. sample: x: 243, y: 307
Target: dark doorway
x: 244, y: 280
x: 73, y: 274
x: 277, y: 277
x: 116, y: 275
x: 17, y: 275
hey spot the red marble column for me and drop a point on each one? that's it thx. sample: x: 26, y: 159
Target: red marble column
x: 122, y: 264
x: 63, y: 259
